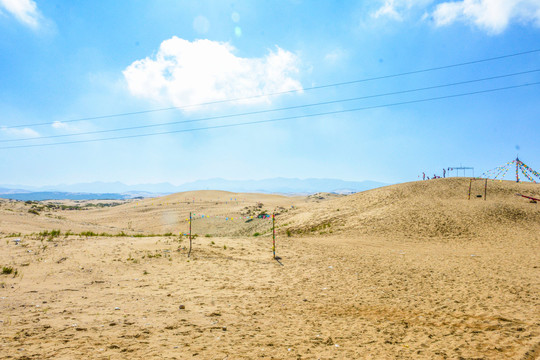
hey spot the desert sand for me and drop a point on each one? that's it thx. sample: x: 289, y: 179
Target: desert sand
x: 409, y: 271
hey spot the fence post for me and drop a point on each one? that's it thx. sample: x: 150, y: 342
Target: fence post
x: 470, y: 184
x: 189, y: 253
x: 274, y: 234
x: 485, y: 191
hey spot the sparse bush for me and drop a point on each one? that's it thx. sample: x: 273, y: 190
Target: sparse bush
x: 50, y: 235
x: 289, y: 232
x: 32, y: 211
x: 208, y: 235
x: 88, y: 233
x: 256, y: 234
x: 7, y: 270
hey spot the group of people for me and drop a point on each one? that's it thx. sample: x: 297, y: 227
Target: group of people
x: 424, y: 177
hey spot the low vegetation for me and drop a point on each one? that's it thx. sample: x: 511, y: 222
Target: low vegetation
x: 8, y: 270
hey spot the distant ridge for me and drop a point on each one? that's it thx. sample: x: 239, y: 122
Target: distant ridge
x: 118, y: 190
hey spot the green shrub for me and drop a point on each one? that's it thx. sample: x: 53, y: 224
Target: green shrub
x: 6, y: 270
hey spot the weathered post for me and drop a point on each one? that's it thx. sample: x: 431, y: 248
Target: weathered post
x: 189, y: 253
x: 274, y: 234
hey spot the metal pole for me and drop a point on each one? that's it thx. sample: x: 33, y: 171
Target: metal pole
x: 470, y: 184
x: 189, y: 253
x: 274, y: 234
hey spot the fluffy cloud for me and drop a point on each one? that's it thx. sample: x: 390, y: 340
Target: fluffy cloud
x: 25, y: 11
x: 490, y: 15
x: 184, y: 73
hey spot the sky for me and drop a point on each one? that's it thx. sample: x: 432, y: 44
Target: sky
x: 190, y: 69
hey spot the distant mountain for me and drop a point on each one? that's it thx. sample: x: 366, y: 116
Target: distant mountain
x: 57, y: 195
x: 282, y: 185
x: 12, y: 191
x: 118, y: 190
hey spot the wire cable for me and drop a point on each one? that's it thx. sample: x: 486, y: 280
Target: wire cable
x: 284, y: 92
x: 272, y: 110
x: 279, y: 119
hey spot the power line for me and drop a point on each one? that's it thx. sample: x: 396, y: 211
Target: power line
x: 279, y: 119
x: 272, y: 110
x: 284, y: 92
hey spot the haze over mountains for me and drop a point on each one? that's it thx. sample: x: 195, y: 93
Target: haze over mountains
x: 118, y: 190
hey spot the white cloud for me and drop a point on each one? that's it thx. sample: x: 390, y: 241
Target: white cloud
x: 388, y: 9
x: 398, y: 9
x: 494, y: 16
x: 335, y: 55
x: 184, y: 73
x: 24, y: 132
x: 59, y: 125
x: 25, y: 11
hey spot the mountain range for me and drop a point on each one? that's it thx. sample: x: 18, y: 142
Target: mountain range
x: 118, y: 190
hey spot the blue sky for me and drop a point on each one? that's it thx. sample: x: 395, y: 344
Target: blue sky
x: 67, y: 60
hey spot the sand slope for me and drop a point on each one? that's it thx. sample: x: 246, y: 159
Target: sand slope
x: 411, y: 271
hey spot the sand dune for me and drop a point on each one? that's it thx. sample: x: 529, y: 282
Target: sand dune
x: 410, y: 271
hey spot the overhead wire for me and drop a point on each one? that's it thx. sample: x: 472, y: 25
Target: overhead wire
x: 272, y: 110
x: 282, y: 92
x: 279, y: 119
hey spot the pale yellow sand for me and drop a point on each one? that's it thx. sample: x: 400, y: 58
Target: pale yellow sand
x: 378, y: 279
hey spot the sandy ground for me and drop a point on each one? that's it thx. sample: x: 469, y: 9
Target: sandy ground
x: 350, y: 294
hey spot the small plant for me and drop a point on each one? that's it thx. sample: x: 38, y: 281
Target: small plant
x: 289, y: 232
x: 88, y: 233
x: 212, y: 242
x: 256, y: 234
x: 7, y: 270
x: 208, y: 235
x: 32, y: 211
x: 224, y: 247
x: 145, y: 272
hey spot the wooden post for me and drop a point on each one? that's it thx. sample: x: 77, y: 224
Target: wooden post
x: 274, y: 234
x: 485, y: 190
x: 470, y: 184
x: 189, y: 253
